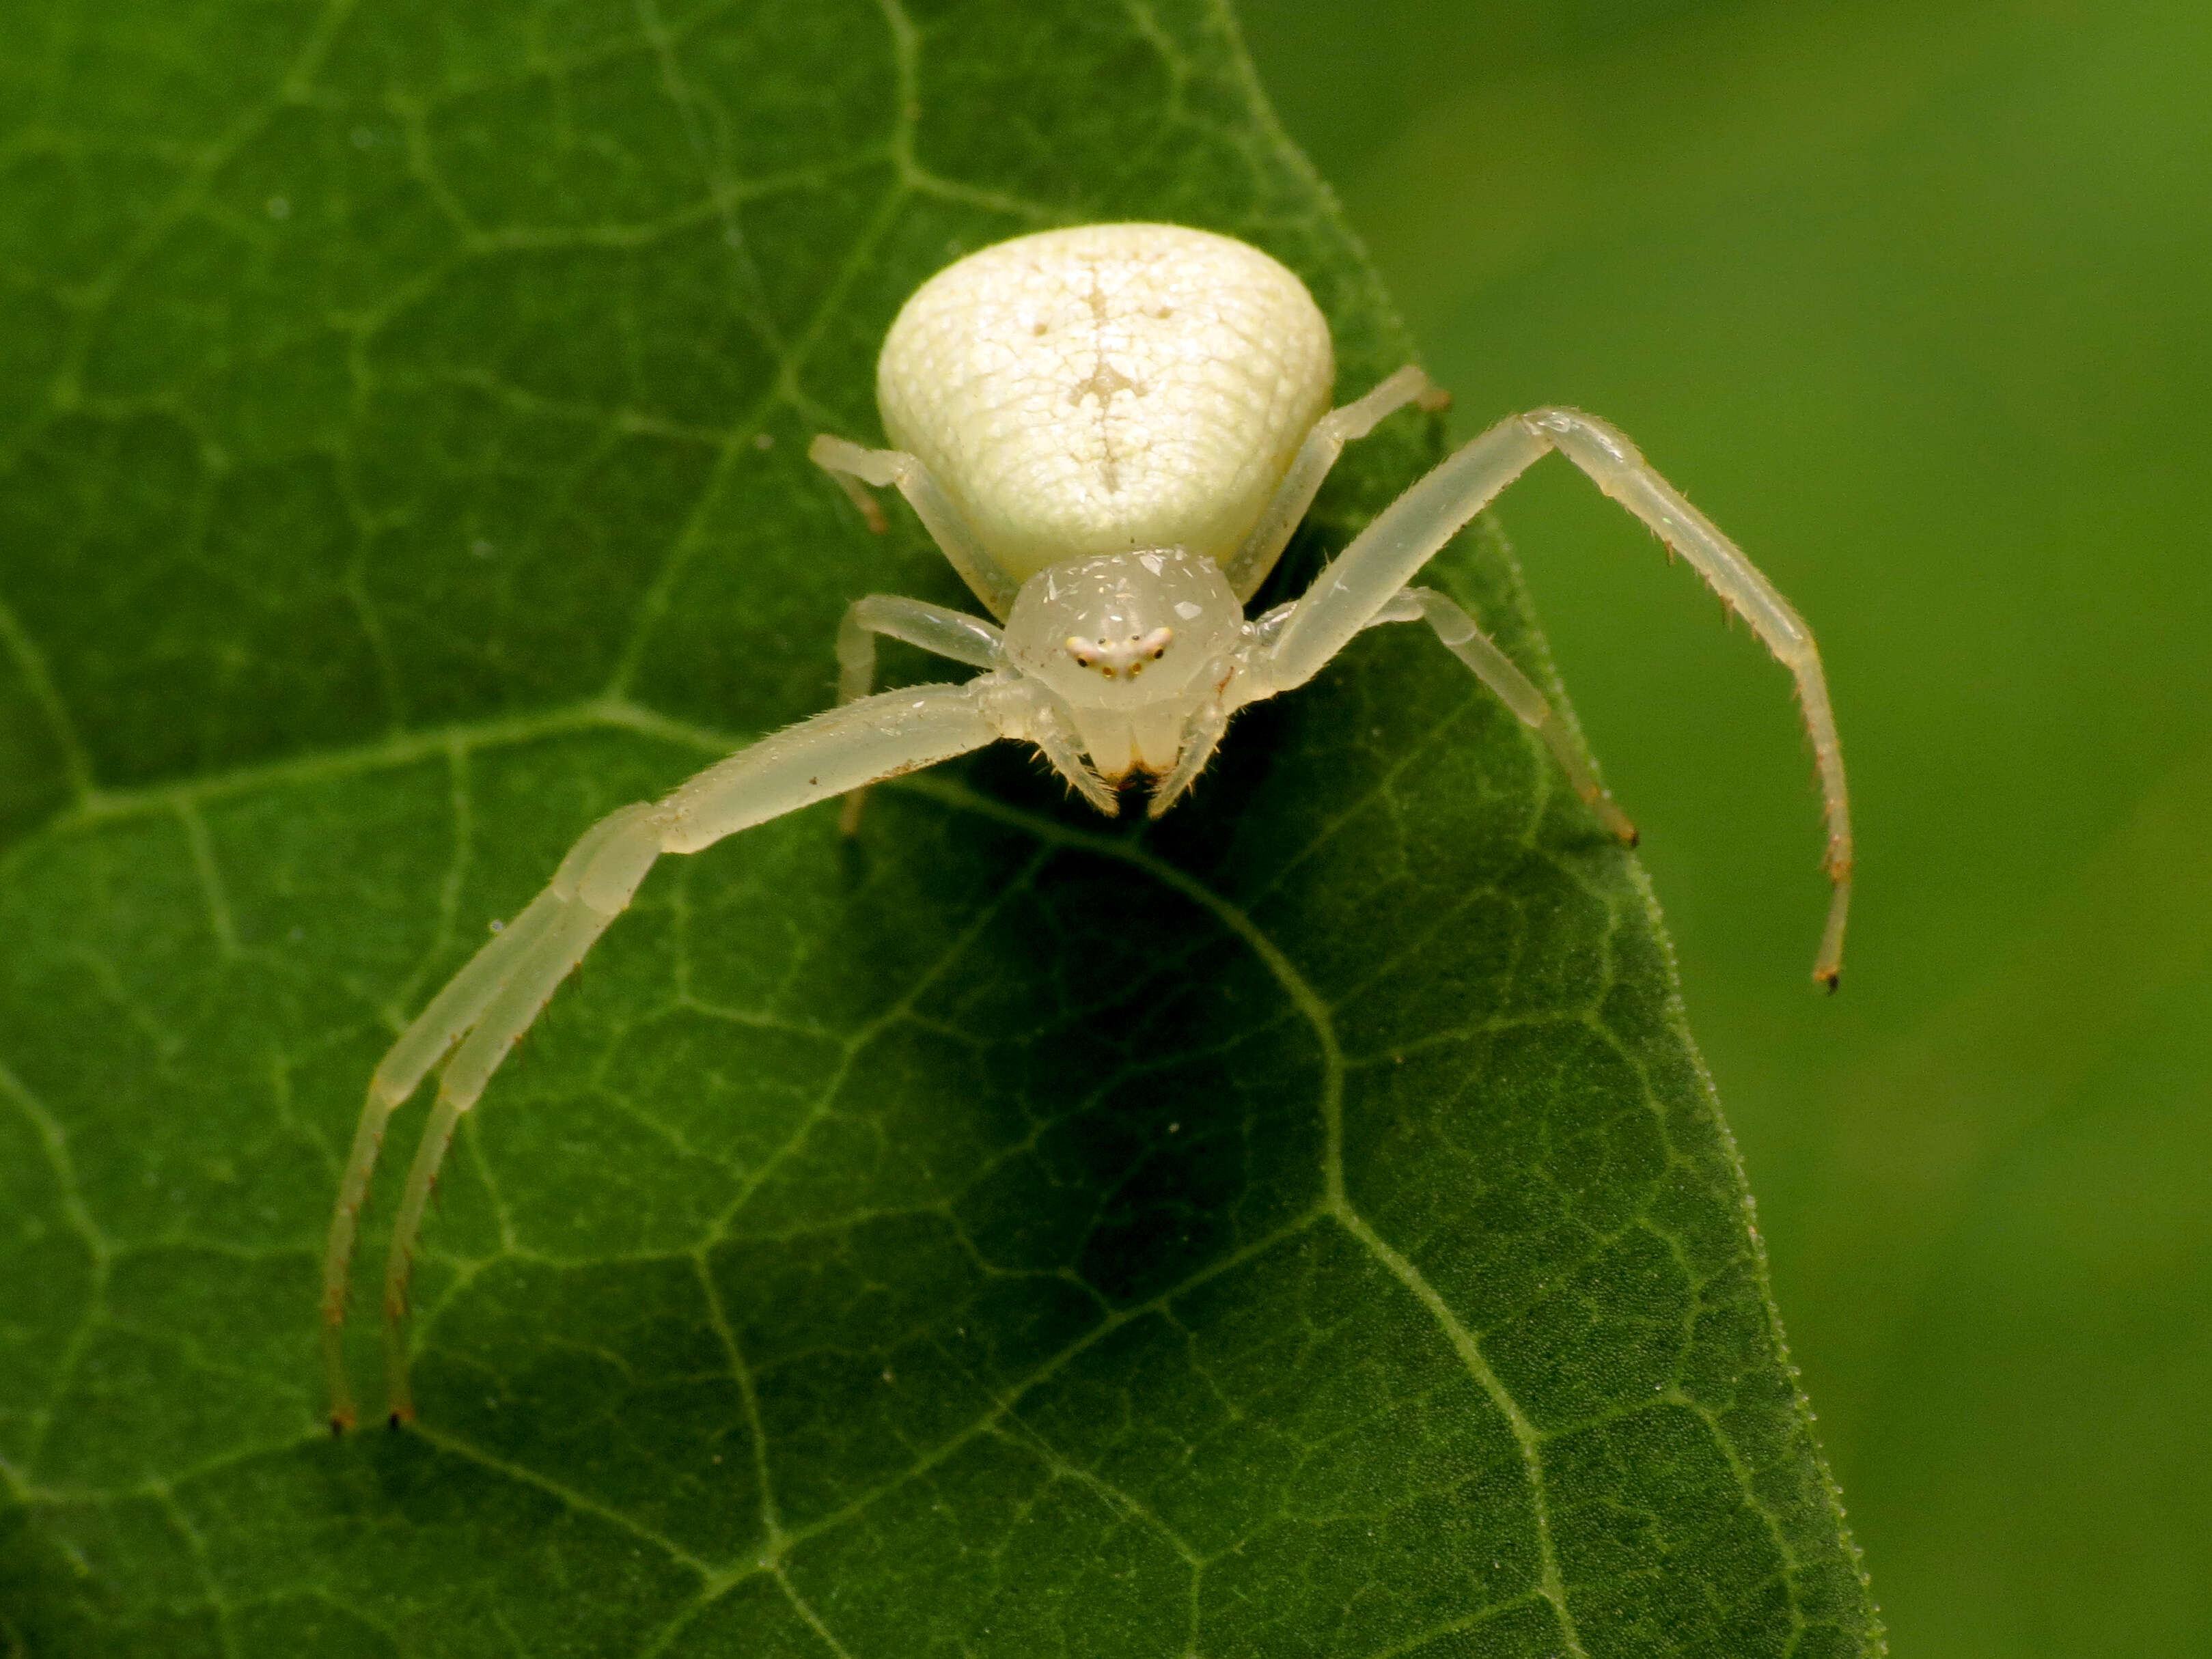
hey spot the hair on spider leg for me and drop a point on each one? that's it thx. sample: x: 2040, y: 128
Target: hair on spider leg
x: 1069, y: 790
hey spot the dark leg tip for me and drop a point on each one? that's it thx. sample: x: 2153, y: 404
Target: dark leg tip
x: 1830, y: 982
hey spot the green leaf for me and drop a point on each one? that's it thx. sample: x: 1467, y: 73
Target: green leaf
x: 1301, y: 1229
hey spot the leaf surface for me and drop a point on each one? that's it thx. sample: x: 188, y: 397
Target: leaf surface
x: 1303, y: 1228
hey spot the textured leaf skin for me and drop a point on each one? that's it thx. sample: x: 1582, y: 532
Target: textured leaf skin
x: 1301, y: 1229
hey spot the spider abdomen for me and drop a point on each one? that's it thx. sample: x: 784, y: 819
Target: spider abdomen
x: 1106, y: 388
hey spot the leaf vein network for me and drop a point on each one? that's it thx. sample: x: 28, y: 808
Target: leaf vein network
x: 1336, y: 1202
x: 456, y: 743
x: 604, y: 713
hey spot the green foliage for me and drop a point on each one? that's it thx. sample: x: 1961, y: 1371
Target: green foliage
x: 1304, y: 1228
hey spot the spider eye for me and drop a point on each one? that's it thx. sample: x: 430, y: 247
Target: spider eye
x: 1121, y: 658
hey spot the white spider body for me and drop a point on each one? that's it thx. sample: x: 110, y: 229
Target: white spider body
x: 1107, y: 388
x: 1110, y: 432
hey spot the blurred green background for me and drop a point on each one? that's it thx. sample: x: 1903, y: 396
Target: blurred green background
x: 1913, y: 299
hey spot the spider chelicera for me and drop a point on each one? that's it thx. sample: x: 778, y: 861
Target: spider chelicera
x: 1111, y: 431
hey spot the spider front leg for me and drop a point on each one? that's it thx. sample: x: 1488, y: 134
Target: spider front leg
x: 1354, y: 591
x: 492, y: 1001
x: 934, y: 628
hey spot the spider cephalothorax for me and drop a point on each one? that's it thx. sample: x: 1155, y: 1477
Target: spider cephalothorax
x: 1131, y: 648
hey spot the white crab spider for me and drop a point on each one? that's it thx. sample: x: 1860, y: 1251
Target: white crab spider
x: 1111, y: 431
